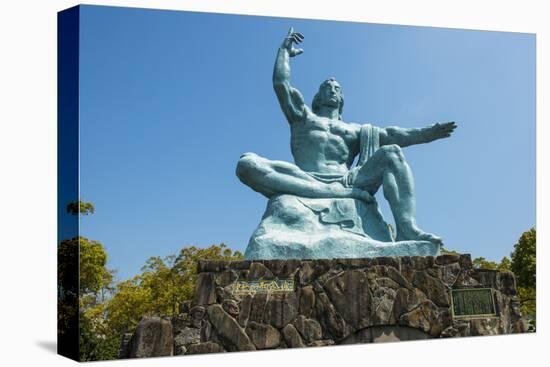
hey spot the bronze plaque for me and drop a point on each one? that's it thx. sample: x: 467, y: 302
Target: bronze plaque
x: 473, y: 302
x: 263, y: 286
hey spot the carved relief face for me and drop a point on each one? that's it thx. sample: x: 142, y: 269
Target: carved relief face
x: 197, y: 314
x: 231, y: 307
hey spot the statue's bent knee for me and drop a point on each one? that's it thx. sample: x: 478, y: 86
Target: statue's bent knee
x: 393, y: 153
x: 391, y: 148
x: 247, y: 166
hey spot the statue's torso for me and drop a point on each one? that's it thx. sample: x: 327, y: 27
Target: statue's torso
x: 322, y: 145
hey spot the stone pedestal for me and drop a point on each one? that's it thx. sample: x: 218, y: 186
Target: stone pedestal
x: 270, y: 304
x: 294, y: 227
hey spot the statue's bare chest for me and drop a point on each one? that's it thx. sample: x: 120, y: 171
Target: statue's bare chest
x: 321, y: 128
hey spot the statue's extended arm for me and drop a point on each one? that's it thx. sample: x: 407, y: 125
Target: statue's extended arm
x: 291, y: 100
x: 410, y: 136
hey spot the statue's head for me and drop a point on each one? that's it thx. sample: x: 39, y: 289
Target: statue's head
x: 196, y: 314
x: 329, y: 95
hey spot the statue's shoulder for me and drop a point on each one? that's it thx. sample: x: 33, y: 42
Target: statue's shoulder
x: 356, y: 127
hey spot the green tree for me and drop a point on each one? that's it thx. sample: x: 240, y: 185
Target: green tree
x: 161, y: 287
x: 524, y: 266
x: 130, y: 302
x: 524, y: 259
x: 482, y: 263
x: 97, y: 341
x: 83, y: 272
x: 95, y: 278
x: 505, y: 264
x: 80, y: 207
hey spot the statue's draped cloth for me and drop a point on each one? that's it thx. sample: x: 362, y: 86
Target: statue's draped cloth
x: 343, y: 212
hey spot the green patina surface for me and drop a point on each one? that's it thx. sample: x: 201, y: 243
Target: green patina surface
x: 323, y: 205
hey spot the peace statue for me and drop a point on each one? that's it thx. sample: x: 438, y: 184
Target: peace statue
x: 323, y: 206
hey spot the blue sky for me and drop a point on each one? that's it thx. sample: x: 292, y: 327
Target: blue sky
x: 169, y: 101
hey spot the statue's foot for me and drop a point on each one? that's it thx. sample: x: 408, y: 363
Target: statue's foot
x: 413, y: 233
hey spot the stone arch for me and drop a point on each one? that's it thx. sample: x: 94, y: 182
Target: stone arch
x: 385, y: 333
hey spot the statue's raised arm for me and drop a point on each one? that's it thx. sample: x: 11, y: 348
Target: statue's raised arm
x: 290, y: 99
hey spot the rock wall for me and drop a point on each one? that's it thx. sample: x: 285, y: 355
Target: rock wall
x: 338, y: 301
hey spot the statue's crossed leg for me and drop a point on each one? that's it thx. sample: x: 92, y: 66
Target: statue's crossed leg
x: 386, y: 167
x: 270, y: 177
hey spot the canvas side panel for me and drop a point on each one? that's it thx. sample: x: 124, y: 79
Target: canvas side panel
x: 67, y: 181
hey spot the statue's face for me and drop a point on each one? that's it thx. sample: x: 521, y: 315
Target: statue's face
x: 331, y: 93
x: 197, y: 313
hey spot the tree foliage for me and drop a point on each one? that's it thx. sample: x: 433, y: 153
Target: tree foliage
x: 482, y: 263
x: 94, y: 279
x: 158, y: 290
x: 80, y: 208
x: 94, y: 275
x: 164, y: 283
x: 97, y: 341
x: 84, y: 282
x: 524, y: 266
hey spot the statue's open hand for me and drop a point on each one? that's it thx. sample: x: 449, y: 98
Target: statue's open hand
x: 291, y: 38
x: 440, y: 130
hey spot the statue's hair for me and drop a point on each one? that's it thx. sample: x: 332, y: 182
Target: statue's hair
x: 315, y: 105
